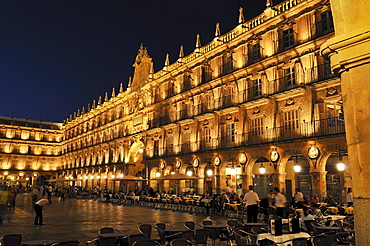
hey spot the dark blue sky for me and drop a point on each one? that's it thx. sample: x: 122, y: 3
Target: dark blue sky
x: 56, y: 56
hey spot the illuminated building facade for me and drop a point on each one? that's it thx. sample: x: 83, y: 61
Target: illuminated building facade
x: 256, y: 105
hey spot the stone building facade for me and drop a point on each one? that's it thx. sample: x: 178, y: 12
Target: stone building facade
x: 248, y: 108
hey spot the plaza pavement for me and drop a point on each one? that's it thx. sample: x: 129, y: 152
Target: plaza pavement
x: 79, y: 219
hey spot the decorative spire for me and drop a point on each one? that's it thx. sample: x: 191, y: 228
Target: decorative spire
x: 269, y: 3
x: 129, y: 82
x: 113, y: 93
x: 70, y: 118
x: 94, y: 104
x: 78, y: 113
x: 88, y: 107
x: 241, y: 15
x: 74, y: 115
x: 197, y: 42
x: 120, y: 88
x: 218, y: 31
x: 106, y: 99
x: 99, y: 100
x: 181, y: 54
x: 83, y: 111
x: 167, y: 61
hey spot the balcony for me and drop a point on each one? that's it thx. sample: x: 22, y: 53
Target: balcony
x: 301, y: 132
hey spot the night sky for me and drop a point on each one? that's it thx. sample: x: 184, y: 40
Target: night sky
x: 57, y: 56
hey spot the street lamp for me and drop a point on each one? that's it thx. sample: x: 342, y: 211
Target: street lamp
x: 189, y: 170
x: 340, y: 165
x: 297, y: 168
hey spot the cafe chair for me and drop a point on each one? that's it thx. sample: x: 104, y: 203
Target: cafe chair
x: 201, y: 236
x: 207, y: 222
x: 188, y: 235
x: 331, y: 239
x: 67, y: 243
x: 134, y: 237
x: 146, y: 242
x: 146, y: 229
x: 319, y: 240
x: 345, y: 238
x: 104, y: 241
x: 107, y: 230
x: 309, y: 228
x: 243, y: 238
x: 11, y: 240
x: 190, y: 225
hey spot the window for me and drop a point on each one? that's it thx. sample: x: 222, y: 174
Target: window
x: 171, y: 89
x: 186, y: 82
x: 257, y: 126
x: 255, y: 54
x: 227, y: 64
x: 289, y: 78
x: 326, y: 25
x: 206, y: 137
x: 335, y: 114
x: 156, y: 147
x: 230, y: 133
x: 206, y: 73
x: 257, y: 88
x: 169, y: 144
x: 288, y: 39
x: 290, y: 120
x: 186, y: 142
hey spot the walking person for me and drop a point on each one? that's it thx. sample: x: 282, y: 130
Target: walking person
x: 50, y: 192
x: 280, y: 203
x: 34, y: 194
x: 349, y: 197
x: 38, y: 209
x: 251, y: 200
x: 344, y: 196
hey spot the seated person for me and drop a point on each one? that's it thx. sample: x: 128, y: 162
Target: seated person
x: 306, y: 216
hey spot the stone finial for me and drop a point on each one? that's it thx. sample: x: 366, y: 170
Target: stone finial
x: 241, y: 16
x: 167, y: 61
x: 120, y: 88
x: 88, y: 107
x: 113, y: 92
x: 197, y: 42
x: 93, y: 104
x: 181, y: 54
x: 83, y: 110
x: 269, y: 3
x: 74, y: 115
x: 129, y: 81
x: 106, y: 99
x: 78, y: 113
x: 70, y: 118
x: 99, y: 100
x: 218, y: 31
x: 152, y: 68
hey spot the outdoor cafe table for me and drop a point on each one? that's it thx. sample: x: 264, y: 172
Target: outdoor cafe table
x: 39, y: 242
x: 248, y: 226
x: 123, y: 238
x: 171, y: 231
x: 282, y: 238
x: 216, y: 231
x: 323, y: 229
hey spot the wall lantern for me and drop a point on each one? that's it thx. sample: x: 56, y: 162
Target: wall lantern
x: 262, y: 169
x: 340, y: 165
x: 297, y: 168
x: 189, y: 170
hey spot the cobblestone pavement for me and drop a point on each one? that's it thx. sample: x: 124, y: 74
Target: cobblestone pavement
x: 78, y: 219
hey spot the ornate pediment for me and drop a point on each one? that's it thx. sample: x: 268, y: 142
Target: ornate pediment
x: 142, y: 65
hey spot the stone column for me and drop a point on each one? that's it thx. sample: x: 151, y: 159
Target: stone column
x: 319, y: 183
x: 349, y: 53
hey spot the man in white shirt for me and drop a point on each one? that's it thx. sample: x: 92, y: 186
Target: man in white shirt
x: 251, y: 200
x: 298, y: 198
x: 280, y: 203
x: 38, y: 209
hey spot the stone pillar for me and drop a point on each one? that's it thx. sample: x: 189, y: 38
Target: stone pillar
x: 349, y: 53
x: 319, y: 183
x: 220, y: 183
x: 247, y: 180
x: 200, y: 186
x: 278, y: 180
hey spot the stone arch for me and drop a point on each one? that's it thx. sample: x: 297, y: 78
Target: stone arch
x: 134, y: 154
